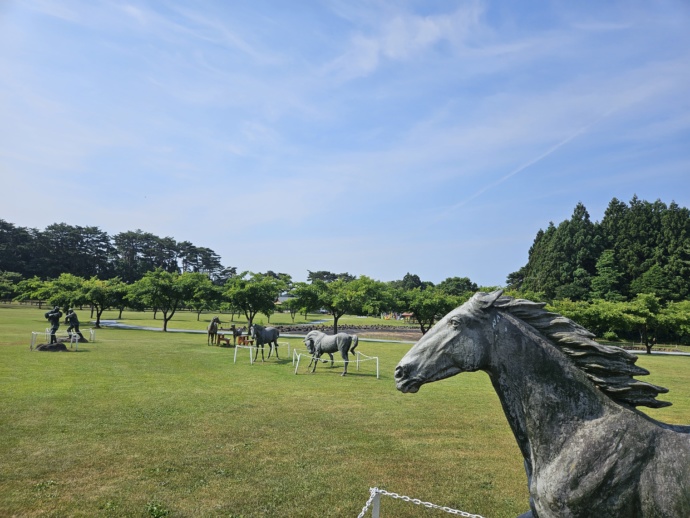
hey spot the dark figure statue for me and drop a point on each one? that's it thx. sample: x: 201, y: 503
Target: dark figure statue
x: 212, y: 331
x: 570, y: 403
x: 73, y: 321
x: 54, y: 317
x: 318, y: 343
x: 264, y: 335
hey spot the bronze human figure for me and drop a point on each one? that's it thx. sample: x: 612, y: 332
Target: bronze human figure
x: 73, y: 321
x: 54, y: 317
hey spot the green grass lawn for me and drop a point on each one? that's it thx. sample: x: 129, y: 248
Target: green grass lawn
x: 159, y: 424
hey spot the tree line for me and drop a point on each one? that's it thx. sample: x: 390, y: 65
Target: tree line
x: 627, y: 275
x: 89, y: 251
x: 249, y: 294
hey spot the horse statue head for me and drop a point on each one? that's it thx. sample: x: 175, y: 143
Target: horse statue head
x: 475, y: 335
x: 310, y: 341
x: 459, y: 342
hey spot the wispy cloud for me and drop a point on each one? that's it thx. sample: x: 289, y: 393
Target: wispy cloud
x: 385, y: 126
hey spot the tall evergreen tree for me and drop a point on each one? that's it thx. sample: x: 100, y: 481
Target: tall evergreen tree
x: 606, y: 284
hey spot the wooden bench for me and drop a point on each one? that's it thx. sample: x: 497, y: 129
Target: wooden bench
x: 223, y: 338
x: 244, y: 340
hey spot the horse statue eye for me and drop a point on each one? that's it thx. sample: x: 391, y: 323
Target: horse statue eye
x: 455, y: 324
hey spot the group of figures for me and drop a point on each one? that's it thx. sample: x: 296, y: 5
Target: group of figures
x: 571, y: 404
x: 316, y: 342
x: 54, y: 317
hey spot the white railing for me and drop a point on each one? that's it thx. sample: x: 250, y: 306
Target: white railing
x: 375, y: 503
x: 359, y: 358
x: 252, y: 347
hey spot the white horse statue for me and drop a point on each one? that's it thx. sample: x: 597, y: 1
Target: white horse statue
x: 318, y: 343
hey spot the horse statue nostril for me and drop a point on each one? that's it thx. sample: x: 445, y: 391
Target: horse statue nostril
x: 399, y: 372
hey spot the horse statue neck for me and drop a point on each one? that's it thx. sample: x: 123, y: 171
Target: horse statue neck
x: 544, y: 396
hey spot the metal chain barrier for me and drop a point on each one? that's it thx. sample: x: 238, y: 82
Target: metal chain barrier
x: 372, y: 494
x: 449, y: 510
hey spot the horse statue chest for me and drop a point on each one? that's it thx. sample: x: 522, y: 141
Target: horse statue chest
x: 597, y: 468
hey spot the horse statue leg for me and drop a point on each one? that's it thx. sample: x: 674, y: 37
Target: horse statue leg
x: 276, y: 348
x: 315, y: 359
x: 345, y: 356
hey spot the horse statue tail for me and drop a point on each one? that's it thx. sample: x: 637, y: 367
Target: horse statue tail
x: 355, y: 342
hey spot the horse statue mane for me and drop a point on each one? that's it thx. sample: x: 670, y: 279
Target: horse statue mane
x: 609, y: 368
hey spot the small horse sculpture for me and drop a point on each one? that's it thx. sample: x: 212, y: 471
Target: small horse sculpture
x: 212, y: 331
x: 264, y: 335
x: 571, y: 405
x: 318, y: 343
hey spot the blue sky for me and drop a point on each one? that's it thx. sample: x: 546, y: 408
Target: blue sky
x: 373, y: 137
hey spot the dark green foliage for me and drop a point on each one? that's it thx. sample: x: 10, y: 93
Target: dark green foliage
x: 326, y: 276
x: 607, y: 282
x: 8, y: 285
x: 637, y: 248
x: 457, y: 286
x: 88, y: 251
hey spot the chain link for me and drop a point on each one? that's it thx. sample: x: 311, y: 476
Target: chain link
x: 416, y: 501
x: 372, y: 494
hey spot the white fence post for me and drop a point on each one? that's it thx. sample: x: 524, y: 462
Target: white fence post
x: 376, y: 505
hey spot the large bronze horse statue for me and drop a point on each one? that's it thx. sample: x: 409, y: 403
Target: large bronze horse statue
x: 571, y: 405
x: 318, y: 343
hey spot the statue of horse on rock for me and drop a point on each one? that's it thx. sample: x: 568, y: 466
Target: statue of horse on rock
x: 570, y: 403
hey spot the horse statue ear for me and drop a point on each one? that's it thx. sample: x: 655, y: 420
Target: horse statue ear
x: 485, y: 300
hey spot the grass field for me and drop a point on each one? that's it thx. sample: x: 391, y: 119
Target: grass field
x: 159, y: 424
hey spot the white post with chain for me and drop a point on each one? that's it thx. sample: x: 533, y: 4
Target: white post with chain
x: 376, y: 505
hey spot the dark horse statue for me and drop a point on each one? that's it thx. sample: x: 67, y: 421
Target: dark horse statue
x: 264, y: 335
x: 571, y: 405
x: 318, y: 343
x: 212, y: 331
